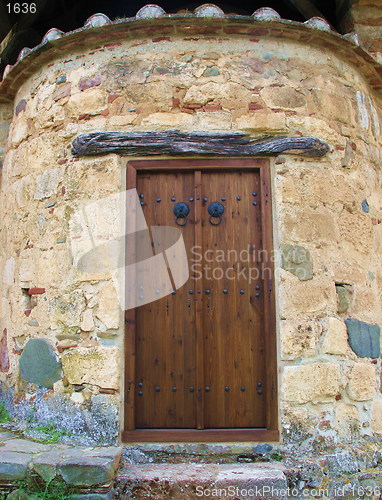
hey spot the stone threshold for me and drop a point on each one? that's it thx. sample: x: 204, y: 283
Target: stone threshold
x: 189, y: 481
x: 218, y: 453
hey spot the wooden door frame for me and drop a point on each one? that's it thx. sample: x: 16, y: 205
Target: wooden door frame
x: 270, y: 432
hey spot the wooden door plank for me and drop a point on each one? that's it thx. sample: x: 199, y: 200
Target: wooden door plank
x: 130, y: 325
x: 199, y: 305
x: 269, y: 302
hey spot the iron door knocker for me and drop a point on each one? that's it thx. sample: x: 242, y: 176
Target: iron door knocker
x: 181, y: 210
x: 216, y: 210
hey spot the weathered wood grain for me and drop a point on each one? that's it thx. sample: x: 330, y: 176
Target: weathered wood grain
x: 174, y: 142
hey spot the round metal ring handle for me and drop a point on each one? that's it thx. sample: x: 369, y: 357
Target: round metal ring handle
x: 216, y: 210
x: 178, y: 219
x: 212, y: 217
x: 181, y: 210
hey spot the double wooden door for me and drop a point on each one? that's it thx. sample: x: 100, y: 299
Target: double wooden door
x: 199, y: 353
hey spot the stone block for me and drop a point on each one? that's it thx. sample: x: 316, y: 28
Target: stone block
x: 9, y: 271
x: 262, y: 122
x: 14, y: 466
x: 364, y: 338
x: 47, y: 183
x: 347, y: 420
x: 309, y: 225
x: 356, y: 231
x: 45, y: 464
x: 362, y: 382
x: 283, y: 98
x: 343, y: 298
x: 376, y: 417
x: 336, y: 338
x: 298, y: 339
x: 212, y: 91
x: 38, y: 364
x: 218, y: 120
x: 87, y: 471
x: 166, y: 120
x: 297, y: 297
x: 297, y: 260
x: 95, y: 365
x: 316, y: 382
x: 108, y: 306
x: 90, y: 102
x: 122, y: 120
x: 87, y: 324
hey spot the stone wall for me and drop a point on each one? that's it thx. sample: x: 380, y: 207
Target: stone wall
x: 327, y: 211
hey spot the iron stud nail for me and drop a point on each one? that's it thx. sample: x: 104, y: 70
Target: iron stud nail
x: 226, y: 388
x: 242, y: 389
x: 191, y: 199
x: 140, y: 393
x: 225, y: 291
x: 259, y: 384
x: 198, y: 197
x: 254, y: 203
x: 141, y: 297
x: 142, y: 203
x: 223, y: 198
x: 259, y: 391
x: 173, y: 389
x: 140, y: 384
x: 205, y: 199
x: 192, y: 389
x: 257, y: 294
x: 173, y: 292
x: 173, y: 198
x: 254, y: 194
x: 257, y: 287
x: 207, y: 389
x: 241, y: 292
x: 141, y: 196
x: 191, y: 292
x: 157, y: 389
x: 158, y: 200
x: 208, y: 292
x: 238, y: 198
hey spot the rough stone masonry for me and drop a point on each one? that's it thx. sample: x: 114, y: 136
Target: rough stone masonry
x: 61, y: 348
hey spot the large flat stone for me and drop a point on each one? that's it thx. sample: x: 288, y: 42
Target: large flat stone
x: 297, y: 260
x: 87, y: 471
x: 24, y: 446
x: 14, y: 466
x: 189, y: 481
x: 45, y: 464
x: 38, y: 364
x: 364, y: 338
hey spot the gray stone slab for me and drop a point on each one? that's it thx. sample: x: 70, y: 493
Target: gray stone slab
x: 5, y: 436
x: 13, y: 466
x: 364, y: 338
x: 39, y: 364
x: 87, y: 471
x: 45, y: 464
x: 297, y: 260
x: 25, y: 446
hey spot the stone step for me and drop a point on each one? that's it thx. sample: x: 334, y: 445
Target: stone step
x: 185, y: 481
x: 200, y: 452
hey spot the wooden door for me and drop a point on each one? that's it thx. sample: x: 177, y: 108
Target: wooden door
x: 200, y: 351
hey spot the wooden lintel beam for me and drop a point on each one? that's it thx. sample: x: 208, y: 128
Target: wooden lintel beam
x: 174, y: 142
